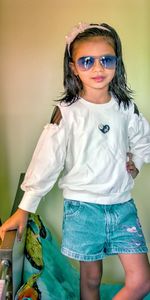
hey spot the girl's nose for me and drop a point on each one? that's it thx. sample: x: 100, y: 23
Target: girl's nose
x: 98, y: 65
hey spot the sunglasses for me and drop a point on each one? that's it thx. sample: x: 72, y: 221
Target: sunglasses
x: 85, y: 63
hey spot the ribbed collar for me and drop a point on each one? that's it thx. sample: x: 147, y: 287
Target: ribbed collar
x: 97, y: 105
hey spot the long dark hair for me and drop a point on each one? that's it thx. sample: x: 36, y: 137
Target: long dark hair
x: 118, y: 86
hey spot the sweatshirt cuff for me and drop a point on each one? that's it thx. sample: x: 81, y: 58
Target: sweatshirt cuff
x: 29, y: 202
x: 138, y: 162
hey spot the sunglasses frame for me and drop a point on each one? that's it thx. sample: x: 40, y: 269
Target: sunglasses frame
x: 102, y: 60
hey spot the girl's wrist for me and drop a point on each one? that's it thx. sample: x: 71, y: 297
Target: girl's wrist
x: 24, y: 212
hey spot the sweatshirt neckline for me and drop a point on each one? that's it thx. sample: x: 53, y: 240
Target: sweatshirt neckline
x: 97, y: 105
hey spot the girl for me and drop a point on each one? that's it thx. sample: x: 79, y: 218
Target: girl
x: 92, y: 129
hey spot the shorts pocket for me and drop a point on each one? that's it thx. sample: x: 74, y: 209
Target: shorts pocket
x: 71, y: 207
x: 130, y: 204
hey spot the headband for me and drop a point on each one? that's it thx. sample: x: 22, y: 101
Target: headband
x: 81, y: 27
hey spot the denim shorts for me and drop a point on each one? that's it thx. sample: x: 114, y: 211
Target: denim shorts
x: 93, y: 231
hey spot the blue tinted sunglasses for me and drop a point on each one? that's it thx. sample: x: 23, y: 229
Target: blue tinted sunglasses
x: 107, y: 61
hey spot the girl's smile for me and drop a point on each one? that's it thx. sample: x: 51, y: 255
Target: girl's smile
x: 98, y: 78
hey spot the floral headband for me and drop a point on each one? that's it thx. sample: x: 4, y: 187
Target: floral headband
x: 81, y: 27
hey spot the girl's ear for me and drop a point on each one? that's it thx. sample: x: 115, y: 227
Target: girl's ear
x: 73, y: 68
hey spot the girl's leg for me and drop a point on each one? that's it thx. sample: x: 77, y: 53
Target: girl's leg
x: 137, y: 280
x: 90, y: 278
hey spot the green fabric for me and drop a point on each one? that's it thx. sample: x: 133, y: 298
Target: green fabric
x: 47, y: 273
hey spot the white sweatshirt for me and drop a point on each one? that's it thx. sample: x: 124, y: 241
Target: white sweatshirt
x: 90, y: 145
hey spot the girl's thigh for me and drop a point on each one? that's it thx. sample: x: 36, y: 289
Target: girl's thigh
x: 136, y: 267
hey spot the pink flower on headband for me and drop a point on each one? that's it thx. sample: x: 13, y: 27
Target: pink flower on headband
x: 81, y: 27
x: 75, y: 31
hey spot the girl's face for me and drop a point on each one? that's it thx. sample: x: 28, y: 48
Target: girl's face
x: 95, y: 76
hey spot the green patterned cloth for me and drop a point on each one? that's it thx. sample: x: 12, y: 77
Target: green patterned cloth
x: 47, y: 274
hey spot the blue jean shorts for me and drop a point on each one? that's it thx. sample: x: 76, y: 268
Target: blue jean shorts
x: 93, y: 231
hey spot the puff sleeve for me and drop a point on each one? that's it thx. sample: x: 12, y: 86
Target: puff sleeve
x: 139, y: 137
x: 46, y: 164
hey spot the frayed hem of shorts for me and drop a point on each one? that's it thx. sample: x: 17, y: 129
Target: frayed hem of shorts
x: 80, y: 257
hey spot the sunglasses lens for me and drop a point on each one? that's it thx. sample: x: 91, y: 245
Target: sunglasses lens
x: 86, y: 62
x: 108, y: 61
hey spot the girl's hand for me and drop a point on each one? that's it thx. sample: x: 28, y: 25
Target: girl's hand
x: 131, y: 168
x: 17, y: 221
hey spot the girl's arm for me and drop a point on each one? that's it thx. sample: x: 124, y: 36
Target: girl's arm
x: 46, y: 164
x: 43, y: 171
x: 139, y: 137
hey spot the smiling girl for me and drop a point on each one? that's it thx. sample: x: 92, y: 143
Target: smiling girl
x: 92, y: 129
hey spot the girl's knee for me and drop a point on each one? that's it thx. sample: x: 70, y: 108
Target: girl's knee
x: 93, y: 282
x: 141, y: 287
x: 91, y: 274
x: 92, y: 279
x: 134, y: 290
x: 145, y: 286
